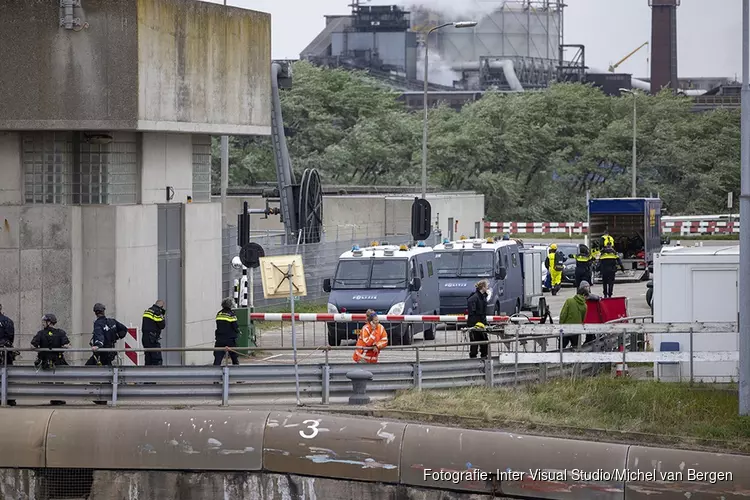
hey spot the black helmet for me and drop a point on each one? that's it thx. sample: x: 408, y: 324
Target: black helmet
x: 99, y: 308
x: 227, y: 304
x: 50, y: 318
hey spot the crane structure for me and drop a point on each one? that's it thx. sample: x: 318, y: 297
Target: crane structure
x: 301, y: 205
x: 614, y: 66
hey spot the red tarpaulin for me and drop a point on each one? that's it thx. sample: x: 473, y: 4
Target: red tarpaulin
x: 604, y: 310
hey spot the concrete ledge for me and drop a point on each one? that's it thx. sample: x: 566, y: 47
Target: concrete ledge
x: 357, y: 449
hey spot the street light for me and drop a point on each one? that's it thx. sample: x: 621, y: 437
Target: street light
x: 459, y: 24
x: 635, y: 134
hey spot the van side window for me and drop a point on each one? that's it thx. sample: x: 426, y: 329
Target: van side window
x: 421, y: 271
x: 505, y: 260
x: 514, y: 258
x: 429, y: 269
x: 413, y: 268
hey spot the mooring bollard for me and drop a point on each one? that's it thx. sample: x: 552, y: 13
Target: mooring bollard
x: 359, y: 380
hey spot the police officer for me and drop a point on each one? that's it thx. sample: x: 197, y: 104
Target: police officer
x: 151, y: 328
x: 477, y: 306
x: 584, y: 261
x: 227, y: 332
x: 106, y: 333
x: 7, y: 336
x: 554, y: 263
x: 50, y: 337
x: 609, y: 261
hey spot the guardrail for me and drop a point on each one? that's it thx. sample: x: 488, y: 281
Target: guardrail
x: 527, y: 358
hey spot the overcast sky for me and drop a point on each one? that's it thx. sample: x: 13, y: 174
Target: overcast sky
x: 709, y: 32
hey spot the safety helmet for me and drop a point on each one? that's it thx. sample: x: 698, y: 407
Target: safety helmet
x: 227, y: 303
x: 51, y: 318
x: 99, y: 308
x: 553, y: 246
x: 479, y: 325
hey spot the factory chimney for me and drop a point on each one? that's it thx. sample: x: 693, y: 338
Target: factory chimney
x: 663, y: 44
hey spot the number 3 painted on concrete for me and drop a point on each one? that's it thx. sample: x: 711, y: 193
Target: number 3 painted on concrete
x: 313, y: 426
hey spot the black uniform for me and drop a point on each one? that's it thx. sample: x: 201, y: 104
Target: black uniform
x: 7, y: 336
x: 477, y: 305
x: 50, y: 338
x: 609, y: 261
x: 584, y: 261
x: 227, y: 331
x: 106, y: 333
x: 151, y: 328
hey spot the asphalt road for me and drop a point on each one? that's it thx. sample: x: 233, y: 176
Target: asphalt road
x: 276, y: 342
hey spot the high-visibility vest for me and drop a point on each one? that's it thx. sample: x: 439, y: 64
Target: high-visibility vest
x: 369, y: 337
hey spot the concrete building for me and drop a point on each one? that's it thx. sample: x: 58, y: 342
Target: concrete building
x: 105, y: 125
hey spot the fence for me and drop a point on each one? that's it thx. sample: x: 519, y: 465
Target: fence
x: 523, y: 354
x: 682, y: 228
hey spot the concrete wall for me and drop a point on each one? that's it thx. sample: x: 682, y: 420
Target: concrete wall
x: 35, y: 266
x: 202, y: 278
x: 374, y: 216
x: 214, y: 61
x: 156, y: 65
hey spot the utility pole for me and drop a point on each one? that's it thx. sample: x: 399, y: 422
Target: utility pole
x: 635, y: 141
x: 224, y: 173
x: 744, y: 303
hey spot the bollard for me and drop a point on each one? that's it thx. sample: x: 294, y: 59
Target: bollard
x: 359, y: 380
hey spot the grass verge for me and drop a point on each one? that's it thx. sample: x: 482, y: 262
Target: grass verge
x: 602, y: 408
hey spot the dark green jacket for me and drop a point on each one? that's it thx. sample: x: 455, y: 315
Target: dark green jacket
x: 573, y: 311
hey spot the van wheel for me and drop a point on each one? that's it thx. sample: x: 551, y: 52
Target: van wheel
x: 429, y: 334
x: 649, y: 296
x: 407, y: 336
x: 496, y: 312
x: 518, y: 307
x: 541, y: 312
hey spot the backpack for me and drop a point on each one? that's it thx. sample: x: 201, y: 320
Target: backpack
x: 560, y: 261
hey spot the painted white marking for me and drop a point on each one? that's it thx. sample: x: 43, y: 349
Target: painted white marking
x: 313, y: 426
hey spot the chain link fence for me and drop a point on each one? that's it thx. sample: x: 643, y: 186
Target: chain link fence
x: 319, y: 259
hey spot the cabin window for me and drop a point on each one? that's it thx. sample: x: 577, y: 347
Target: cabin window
x: 421, y: 271
x: 429, y: 269
x: 514, y: 258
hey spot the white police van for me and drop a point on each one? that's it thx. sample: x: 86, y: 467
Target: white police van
x: 388, y: 279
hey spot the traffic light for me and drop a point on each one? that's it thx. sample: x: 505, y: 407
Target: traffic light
x: 421, y: 216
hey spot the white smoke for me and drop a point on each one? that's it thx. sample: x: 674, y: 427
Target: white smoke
x: 438, y: 70
x: 468, y: 10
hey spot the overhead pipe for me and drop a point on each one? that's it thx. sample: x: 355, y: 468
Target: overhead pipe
x: 505, y: 64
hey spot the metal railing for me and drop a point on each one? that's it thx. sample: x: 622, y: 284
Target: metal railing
x: 521, y: 355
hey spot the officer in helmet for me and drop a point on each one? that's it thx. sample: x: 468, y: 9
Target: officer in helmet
x: 107, y: 331
x: 48, y: 338
x: 227, y: 331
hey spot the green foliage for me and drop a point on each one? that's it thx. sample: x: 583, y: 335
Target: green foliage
x: 533, y: 155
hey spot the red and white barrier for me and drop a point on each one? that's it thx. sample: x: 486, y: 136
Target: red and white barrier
x: 684, y: 228
x: 131, y: 342
x: 390, y: 318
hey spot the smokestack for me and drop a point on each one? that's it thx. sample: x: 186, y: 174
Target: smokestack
x: 663, y: 44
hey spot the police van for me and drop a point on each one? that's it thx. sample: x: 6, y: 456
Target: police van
x: 388, y: 279
x: 461, y: 264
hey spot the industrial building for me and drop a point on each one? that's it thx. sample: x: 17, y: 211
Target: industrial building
x: 519, y: 46
x: 105, y: 185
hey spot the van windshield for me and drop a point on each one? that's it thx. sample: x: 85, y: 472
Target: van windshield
x: 465, y: 264
x: 368, y: 274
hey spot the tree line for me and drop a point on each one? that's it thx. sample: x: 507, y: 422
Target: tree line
x: 533, y: 155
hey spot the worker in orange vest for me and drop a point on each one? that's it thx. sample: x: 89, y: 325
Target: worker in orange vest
x: 373, y: 335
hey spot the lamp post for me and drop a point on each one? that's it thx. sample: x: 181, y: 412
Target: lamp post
x: 460, y: 24
x: 635, y: 136
x: 744, y: 285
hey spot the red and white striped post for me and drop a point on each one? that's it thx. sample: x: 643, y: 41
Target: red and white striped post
x: 131, y: 342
